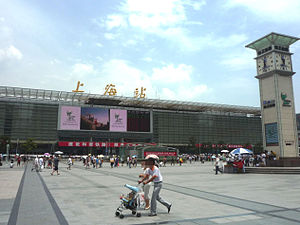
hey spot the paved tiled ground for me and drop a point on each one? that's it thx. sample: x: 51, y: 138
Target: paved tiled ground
x: 91, y: 196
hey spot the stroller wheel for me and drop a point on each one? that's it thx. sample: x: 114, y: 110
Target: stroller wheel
x: 117, y: 213
x: 138, y: 214
x: 133, y: 212
x: 121, y: 216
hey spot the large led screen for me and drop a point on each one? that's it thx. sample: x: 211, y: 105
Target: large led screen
x: 69, y: 118
x: 94, y: 119
x: 138, y: 121
x: 118, y: 120
x: 271, y: 134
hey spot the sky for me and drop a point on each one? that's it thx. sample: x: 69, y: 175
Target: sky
x: 187, y: 50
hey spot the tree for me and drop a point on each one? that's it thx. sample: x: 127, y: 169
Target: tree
x: 258, y: 148
x: 29, y: 145
x: 4, y: 140
x: 192, y: 144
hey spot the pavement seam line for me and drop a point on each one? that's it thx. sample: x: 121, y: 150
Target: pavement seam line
x: 59, y: 215
x: 16, y: 206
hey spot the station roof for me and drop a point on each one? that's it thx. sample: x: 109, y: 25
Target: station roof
x: 63, y: 97
x: 272, y: 39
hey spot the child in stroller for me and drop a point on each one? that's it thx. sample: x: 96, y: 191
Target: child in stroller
x: 133, y: 201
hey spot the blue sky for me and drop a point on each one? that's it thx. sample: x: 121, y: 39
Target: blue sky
x: 177, y: 49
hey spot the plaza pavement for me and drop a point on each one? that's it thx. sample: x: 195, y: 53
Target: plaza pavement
x: 91, y: 196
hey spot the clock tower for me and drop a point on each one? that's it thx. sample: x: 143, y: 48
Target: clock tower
x: 274, y: 72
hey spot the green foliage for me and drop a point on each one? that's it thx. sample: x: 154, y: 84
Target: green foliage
x: 29, y: 145
x: 4, y: 140
x: 258, y: 148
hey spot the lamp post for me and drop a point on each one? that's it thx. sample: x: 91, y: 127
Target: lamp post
x: 7, y: 152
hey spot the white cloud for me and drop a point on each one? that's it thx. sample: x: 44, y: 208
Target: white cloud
x: 55, y: 61
x: 279, y: 11
x: 171, y: 82
x: 10, y: 53
x: 150, y: 14
x: 147, y: 59
x: 171, y: 74
x: 115, y: 21
x: 239, y: 60
x: 81, y: 69
x: 186, y: 42
x: 2, y: 19
x: 99, y: 45
x: 229, y: 41
x: 124, y: 76
x: 184, y: 92
x: 110, y: 36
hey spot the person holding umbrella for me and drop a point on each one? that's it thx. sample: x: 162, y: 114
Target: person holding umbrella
x: 153, y: 172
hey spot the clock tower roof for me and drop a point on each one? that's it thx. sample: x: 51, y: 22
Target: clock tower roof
x: 272, y: 39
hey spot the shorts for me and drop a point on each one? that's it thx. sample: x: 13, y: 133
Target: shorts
x: 55, y: 168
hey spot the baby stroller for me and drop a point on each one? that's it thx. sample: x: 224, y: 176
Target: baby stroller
x: 133, y: 201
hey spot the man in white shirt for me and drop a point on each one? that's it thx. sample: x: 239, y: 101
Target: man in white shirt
x: 153, y: 172
x: 41, y: 163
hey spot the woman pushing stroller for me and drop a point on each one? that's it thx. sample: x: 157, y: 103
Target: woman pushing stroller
x: 152, y: 173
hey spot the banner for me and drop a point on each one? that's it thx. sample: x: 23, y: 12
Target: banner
x: 95, y: 144
x: 161, y: 153
x: 70, y: 118
x: 118, y: 120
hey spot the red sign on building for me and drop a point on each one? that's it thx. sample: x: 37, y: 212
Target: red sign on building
x: 161, y: 153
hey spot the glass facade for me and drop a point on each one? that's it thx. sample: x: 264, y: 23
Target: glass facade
x: 32, y: 119
x: 182, y: 127
x: 23, y: 120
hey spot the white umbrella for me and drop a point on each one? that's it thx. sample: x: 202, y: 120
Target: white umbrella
x: 101, y: 156
x: 239, y: 151
x: 224, y: 151
x: 152, y: 156
x: 59, y: 152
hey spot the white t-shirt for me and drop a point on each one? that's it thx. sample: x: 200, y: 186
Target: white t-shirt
x: 155, y: 172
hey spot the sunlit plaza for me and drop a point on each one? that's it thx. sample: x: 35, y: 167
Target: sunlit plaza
x: 198, y: 196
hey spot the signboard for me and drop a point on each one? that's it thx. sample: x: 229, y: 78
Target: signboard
x: 118, y: 120
x: 70, y: 118
x: 161, y: 153
x: 94, y: 119
x: 103, y: 119
x: 95, y: 144
x: 271, y: 134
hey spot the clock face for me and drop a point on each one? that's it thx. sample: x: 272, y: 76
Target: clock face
x: 265, y: 64
x: 283, y: 62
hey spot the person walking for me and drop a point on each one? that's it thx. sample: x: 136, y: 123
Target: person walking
x: 55, y: 165
x: 146, y: 187
x: 69, y: 163
x: 41, y: 164
x: 217, y: 165
x: 112, y: 161
x: 18, y: 161
x: 157, y: 178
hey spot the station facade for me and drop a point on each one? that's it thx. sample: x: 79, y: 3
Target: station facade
x: 79, y: 122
